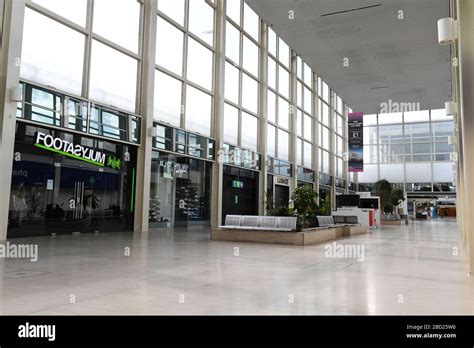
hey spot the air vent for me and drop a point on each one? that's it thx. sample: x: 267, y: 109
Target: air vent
x: 381, y: 87
x: 351, y: 10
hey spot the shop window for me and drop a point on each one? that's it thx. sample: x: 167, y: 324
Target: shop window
x: 77, y: 114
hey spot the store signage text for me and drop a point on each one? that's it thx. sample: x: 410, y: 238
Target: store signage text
x: 356, y: 142
x: 77, y: 151
x: 181, y: 171
x: 114, y: 162
x: 283, y: 181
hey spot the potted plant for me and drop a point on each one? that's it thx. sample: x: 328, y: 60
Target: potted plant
x: 383, y: 189
x: 304, y: 199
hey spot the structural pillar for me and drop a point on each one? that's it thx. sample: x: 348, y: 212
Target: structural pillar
x: 315, y: 132
x: 293, y: 123
x: 147, y: 88
x: 465, y: 13
x: 10, y: 63
x: 262, y: 135
x: 218, y: 117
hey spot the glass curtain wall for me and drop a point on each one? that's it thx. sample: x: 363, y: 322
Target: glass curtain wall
x: 242, y: 76
x: 412, y: 148
x: 340, y: 139
x: 278, y: 98
x: 184, y: 75
x: 304, y: 114
x: 98, y: 60
x: 324, y: 127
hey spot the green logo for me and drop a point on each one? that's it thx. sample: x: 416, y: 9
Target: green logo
x: 114, y: 162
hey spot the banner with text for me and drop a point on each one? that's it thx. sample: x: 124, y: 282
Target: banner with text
x: 356, y: 142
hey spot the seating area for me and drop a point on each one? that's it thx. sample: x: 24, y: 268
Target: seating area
x: 283, y: 229
x: 345, y: 220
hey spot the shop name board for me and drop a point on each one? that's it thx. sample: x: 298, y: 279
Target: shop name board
x: 76, y: 151
x: 283, y: 181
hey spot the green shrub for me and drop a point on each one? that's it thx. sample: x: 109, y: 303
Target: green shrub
x: 303, y: 199
x: 283, y: 210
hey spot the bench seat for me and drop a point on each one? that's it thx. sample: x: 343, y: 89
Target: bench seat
x: 260, y: 223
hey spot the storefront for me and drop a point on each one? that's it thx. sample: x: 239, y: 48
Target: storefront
x: 325, y: 192
x: 278, y: 181
x: 180, y: 182
x: 180, y: 191
x: 65, y: 182
x: 239, y: 192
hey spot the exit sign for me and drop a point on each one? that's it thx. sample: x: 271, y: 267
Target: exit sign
x: 237, y: 184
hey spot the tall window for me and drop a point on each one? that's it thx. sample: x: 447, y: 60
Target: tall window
x: 42, y: 62
x: 278, y: 97
x: 340, y: 138
x: 54, y: 48
x: 324, y: 127
x: 184, y: 73
x: 241, y: 81
x: 304, y: 113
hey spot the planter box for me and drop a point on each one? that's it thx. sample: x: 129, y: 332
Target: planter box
x: 391, y: 222
x: 306, y: 237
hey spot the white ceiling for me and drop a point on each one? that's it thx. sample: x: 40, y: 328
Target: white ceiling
x: 389, y: 59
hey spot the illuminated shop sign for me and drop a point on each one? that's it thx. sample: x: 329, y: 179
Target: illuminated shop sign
x: 76, y: 151
x: 237, y: 184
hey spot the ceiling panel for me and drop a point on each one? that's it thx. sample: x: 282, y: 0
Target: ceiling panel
x: 389, y: 59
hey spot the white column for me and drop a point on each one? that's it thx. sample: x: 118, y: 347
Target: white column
x: 460, y: 200
x: 465, y: 12
x: 147, y: 88
x: 315, y: 154
x: 10, y: 62
x: 218, y: 117
x: 293, y: 123
x: 262, y: 129
x: 332, y: 149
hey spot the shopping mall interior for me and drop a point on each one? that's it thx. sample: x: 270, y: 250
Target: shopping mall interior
x: 236, y: 157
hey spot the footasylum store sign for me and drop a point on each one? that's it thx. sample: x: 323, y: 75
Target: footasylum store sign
x: 77, y: 151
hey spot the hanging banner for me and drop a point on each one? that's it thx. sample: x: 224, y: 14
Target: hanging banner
x: 356, y: 142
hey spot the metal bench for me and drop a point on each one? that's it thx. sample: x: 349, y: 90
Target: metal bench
x: 336, y: 220
x: 250, y: 222
x: 347, y: 220
x: 326, y: 221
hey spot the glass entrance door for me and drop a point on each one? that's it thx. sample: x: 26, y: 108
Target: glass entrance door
x: 282, y: 196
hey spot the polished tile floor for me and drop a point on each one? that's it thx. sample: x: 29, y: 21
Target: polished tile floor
x: 405, y: 270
